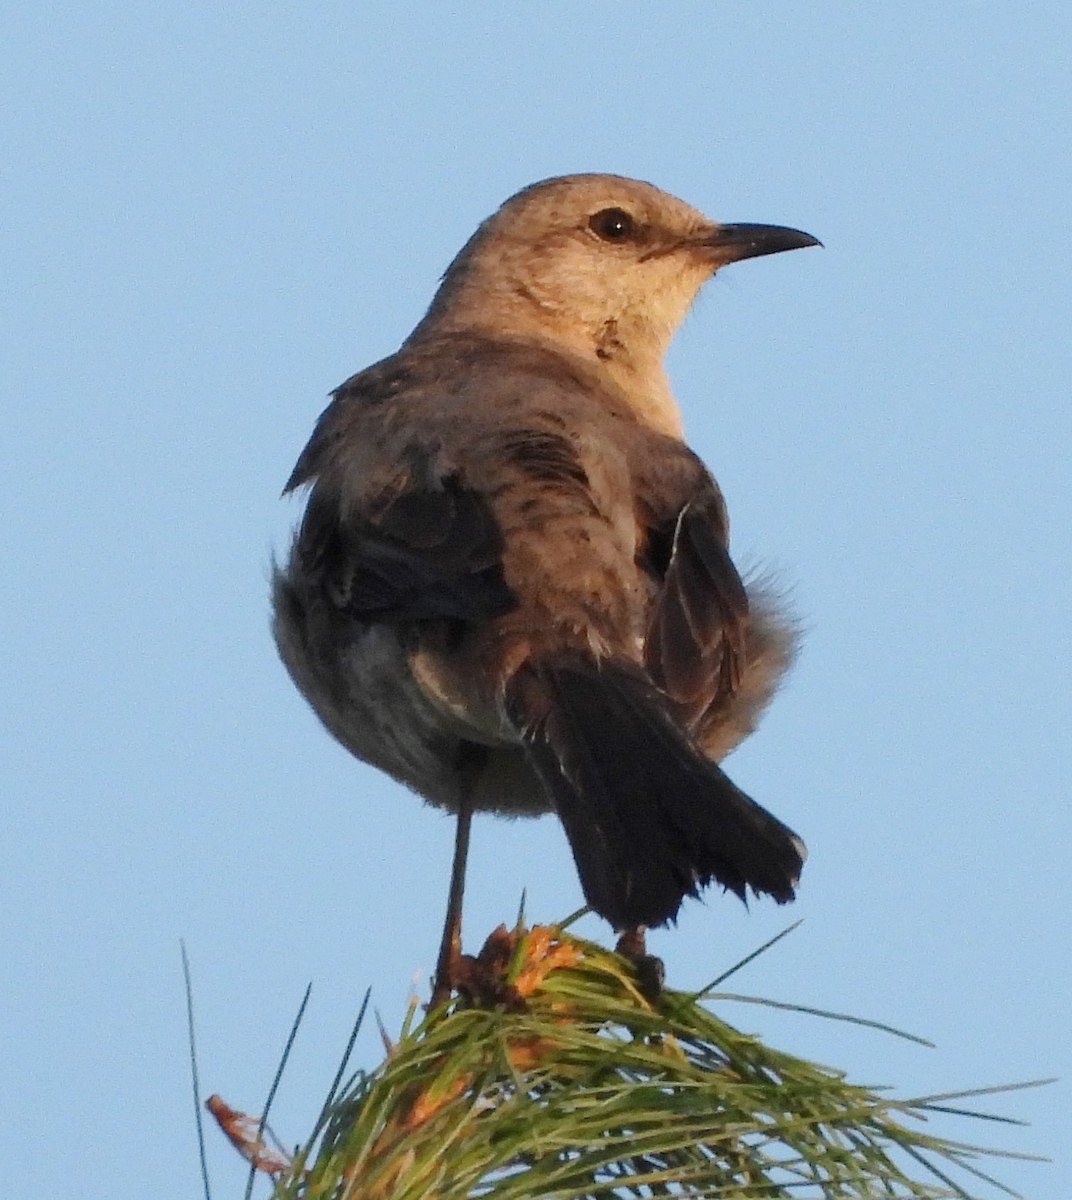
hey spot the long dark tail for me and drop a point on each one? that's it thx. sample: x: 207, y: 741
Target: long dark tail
x: 649, y: 818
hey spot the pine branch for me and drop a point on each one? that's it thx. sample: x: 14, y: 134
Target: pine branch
x: 552, y: 1076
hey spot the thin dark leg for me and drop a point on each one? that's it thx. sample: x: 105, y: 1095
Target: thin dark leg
x: 451, y: 946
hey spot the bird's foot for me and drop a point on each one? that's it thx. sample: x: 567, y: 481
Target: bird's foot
x: 481, y: 978
x: 650, y: 971
x: 512, y: 965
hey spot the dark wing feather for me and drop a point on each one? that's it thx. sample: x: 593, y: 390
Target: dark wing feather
x: 695, y: 641
x: 433, y: 551
x: 411, y: 542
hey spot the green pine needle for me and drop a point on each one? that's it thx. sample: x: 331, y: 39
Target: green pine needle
x: 565, y: 1083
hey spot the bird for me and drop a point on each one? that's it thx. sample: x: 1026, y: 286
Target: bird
x: 511, y: 587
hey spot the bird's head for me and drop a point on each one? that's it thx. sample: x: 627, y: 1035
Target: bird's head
x: 599, y: 264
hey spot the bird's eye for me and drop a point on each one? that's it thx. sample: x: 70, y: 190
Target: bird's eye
x: 612, y: 225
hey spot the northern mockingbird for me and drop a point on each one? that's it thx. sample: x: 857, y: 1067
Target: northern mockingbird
x: 511, y: 588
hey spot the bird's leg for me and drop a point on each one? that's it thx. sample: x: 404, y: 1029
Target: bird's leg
x: 451, y: 946
x: 650, y: 972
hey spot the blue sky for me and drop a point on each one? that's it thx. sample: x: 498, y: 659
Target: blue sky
x: 214, y: 214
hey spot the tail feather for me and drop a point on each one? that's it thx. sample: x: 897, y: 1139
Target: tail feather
x: 650, y: 820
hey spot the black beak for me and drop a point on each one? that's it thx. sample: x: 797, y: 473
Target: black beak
x: 731, y: 243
